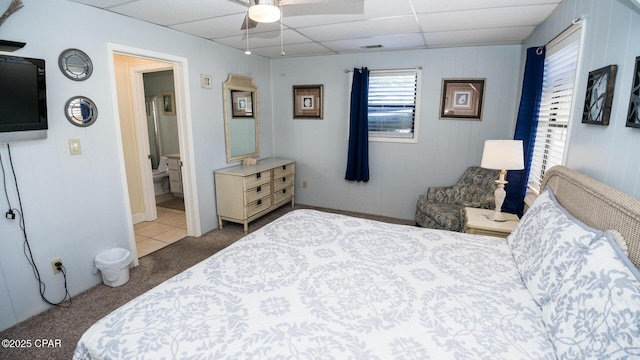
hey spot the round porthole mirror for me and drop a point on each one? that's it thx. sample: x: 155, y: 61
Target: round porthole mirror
x: 75, y: 64
x: 81, y: 111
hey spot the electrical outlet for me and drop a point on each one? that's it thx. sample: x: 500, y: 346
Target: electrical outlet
x: 304, y: 184
x: 54, y: 267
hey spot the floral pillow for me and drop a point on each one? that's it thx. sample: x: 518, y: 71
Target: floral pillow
x: 546, y: 242
x: 597, y: 310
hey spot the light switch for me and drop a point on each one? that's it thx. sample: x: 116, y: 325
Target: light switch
x: 74, y: 147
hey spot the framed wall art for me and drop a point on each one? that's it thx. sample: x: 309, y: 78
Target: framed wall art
x: 242, y: 103
x: 168, y: 103
x: 597, y: 102
x: 633, y: 116
x: 462, y: 99
x: 307, y: 101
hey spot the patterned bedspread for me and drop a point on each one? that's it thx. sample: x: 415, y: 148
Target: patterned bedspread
x: 320, y: 285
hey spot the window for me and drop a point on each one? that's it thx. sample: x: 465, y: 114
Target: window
x: 392, y: 105
x: 560, y: 65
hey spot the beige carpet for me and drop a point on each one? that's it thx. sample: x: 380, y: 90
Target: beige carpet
x: 68, y: 324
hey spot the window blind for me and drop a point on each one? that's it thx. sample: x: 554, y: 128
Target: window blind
x: 554, y: 114
x: 392, y: 103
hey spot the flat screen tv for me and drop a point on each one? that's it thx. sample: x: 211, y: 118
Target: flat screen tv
x: 23, y: 99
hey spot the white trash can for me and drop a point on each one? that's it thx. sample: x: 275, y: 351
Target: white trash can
x: 114, y: 266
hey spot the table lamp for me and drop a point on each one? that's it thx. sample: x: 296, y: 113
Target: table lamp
x: 502, y: 155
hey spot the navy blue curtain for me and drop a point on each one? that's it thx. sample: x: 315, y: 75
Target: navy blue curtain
x: 526, y: 129
x: 358, y: 157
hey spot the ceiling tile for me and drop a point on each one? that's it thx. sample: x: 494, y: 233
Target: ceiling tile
x: 221, y: 27
x: 423, y: 7
x: 171, y: 12
x: 265, y: 39
x: 102, y: 3
x: 395, y: 42
x: 478, y: 36
x: 293, y: 50
x: 362, y: 29
x: 485, y: 18
x: 372, y: 9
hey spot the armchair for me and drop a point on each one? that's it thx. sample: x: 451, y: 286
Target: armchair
x: 443, y: 207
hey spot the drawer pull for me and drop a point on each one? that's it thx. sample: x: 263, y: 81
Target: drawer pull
x: 284, y: 191
x: 284, y: 179
x: 284, y: 167
x: 259, y: 188
x: 259, y: 202
x: 258, y: 175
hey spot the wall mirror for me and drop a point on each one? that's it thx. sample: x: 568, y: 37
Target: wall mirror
x: 240, y: 96
x: 81, y: 111
x: 75, y: 64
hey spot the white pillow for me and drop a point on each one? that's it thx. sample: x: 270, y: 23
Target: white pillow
x: 596, y: 313
x: 545, y: 243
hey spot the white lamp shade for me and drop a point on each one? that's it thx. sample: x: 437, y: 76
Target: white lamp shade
x: 265, y: 11
x: 503, y: 155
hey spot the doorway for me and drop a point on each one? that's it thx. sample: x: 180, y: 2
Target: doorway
x: 128, y: 67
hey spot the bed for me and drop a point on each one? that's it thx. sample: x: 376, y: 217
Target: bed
x: 321, y: 285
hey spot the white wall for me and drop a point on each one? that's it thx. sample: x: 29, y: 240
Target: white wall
x: 75, y: 205
x: 399, y: 172
x: 607, y: 153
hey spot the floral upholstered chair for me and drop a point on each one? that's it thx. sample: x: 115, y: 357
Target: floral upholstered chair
x: 443, y: 207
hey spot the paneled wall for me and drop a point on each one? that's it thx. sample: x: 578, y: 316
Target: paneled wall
x: 75, y: 205
x: 399, y: 171
x: 611, y: 29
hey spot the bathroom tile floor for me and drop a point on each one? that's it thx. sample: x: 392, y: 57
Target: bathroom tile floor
x: 171, y: 226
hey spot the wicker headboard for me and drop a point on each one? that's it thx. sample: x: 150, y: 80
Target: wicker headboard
x: 597, y: 205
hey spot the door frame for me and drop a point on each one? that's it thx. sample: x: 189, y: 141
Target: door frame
x: 185, y: 135
x: 142, y: 136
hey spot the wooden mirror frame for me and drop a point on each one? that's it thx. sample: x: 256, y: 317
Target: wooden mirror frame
x: 247, y: 113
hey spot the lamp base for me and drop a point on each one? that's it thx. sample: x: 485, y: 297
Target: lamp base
x: 497, y: 216
x: 499, y: 195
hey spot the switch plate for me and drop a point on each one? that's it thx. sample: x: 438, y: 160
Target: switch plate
x: 74, y: 147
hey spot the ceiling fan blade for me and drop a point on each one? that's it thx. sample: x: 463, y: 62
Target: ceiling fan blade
x: 305, y: 2
x: 248, y: 22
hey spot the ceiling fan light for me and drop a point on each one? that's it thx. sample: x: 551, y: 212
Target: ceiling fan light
x: 265, y: 12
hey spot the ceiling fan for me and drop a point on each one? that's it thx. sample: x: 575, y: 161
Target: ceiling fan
x: 266, y: 11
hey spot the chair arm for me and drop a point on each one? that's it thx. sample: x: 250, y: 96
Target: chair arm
x: 474, y: 204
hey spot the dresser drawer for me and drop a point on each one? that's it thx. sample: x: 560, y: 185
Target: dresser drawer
x: 258, y: 206
x: 283, y: 194
x: 256, y: 179
x: 257, y: 192
x: 282, y: 182
x: 283, y: 170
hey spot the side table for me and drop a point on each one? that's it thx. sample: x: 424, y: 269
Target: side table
x: 477, y: 222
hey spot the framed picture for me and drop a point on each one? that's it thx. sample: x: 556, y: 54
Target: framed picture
x: 168, y: 103
x: 242, y: 103
x: 462, y: 99
x: 597, y: 102
x: 307, y: 101
x: 633, y: 116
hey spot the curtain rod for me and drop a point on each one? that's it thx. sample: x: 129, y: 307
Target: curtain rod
x: 417, y: 67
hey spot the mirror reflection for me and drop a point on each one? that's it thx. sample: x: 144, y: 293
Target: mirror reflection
x: 240, y: 98
x: 81, y: 111
x: 75, y: 64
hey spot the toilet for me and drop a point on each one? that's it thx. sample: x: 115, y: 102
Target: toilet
x: 161, y: 177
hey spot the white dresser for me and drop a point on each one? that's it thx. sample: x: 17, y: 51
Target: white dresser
x: 245, y: 193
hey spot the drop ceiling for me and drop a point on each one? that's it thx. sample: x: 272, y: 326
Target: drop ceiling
x: 346, y: 26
